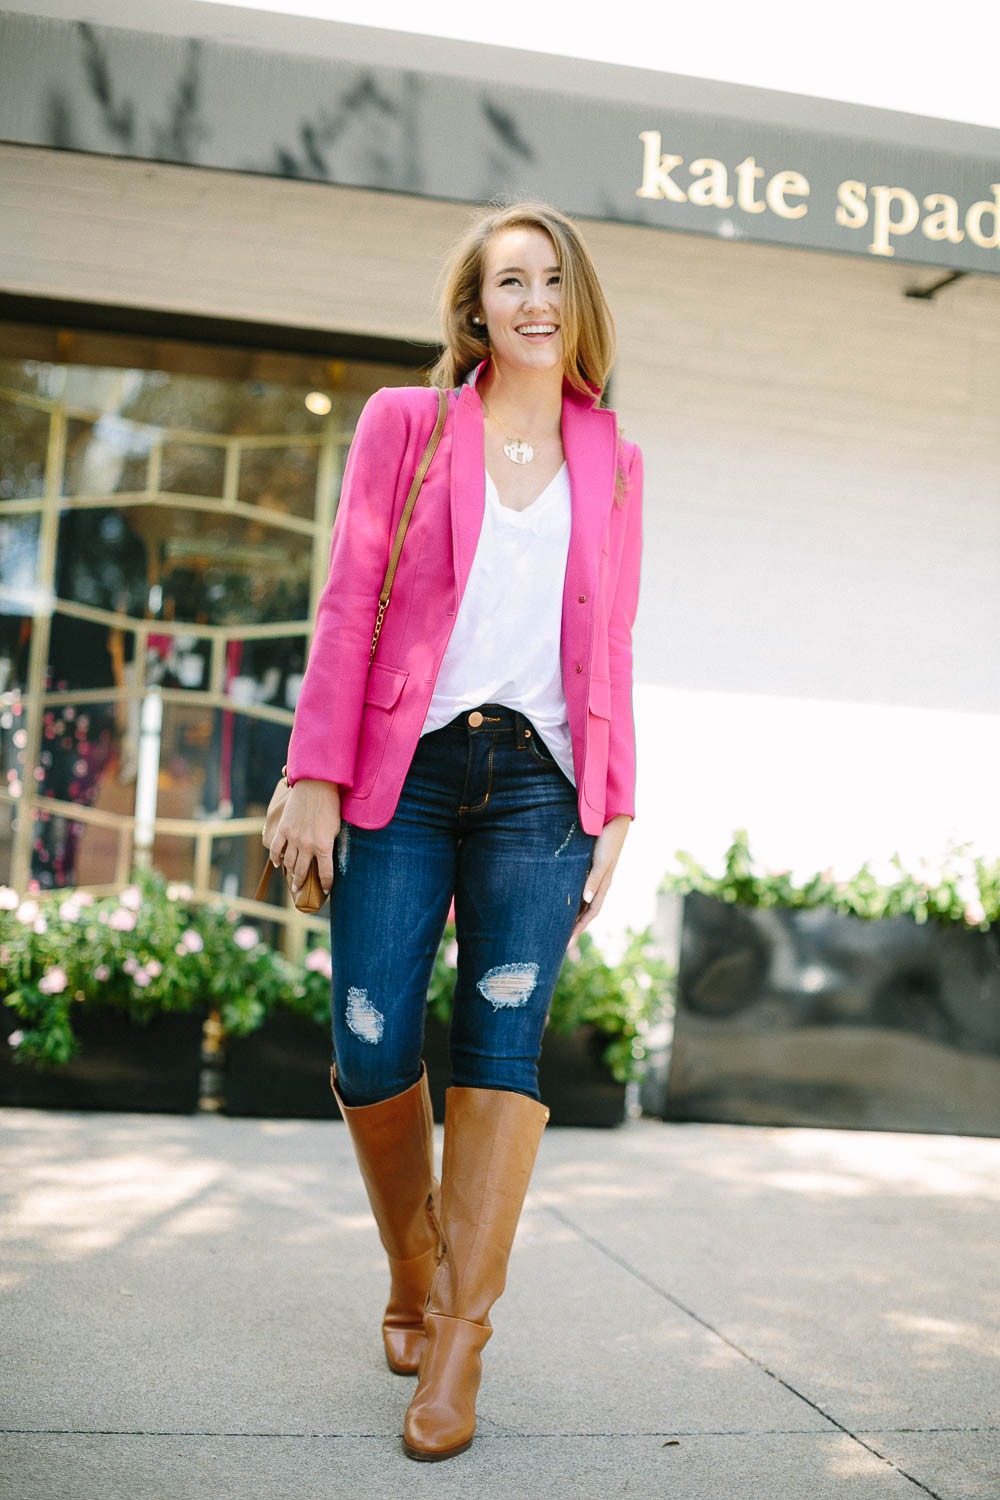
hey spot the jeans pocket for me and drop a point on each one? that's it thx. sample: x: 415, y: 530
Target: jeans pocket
x: 540, y: 750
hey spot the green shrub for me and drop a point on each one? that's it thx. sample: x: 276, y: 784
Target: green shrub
x: 959, y: 889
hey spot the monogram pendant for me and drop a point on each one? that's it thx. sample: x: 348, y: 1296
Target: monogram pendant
x: 518, y: 451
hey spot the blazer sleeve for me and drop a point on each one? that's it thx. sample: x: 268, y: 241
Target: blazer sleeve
x: 327, y: 720
x: 620, y: 796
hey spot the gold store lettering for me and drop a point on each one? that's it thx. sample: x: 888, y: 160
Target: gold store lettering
x: 710, y: 185
x: 896, y: 211
x: 889, y: 212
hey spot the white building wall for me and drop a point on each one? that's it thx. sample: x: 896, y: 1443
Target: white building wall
x: 815, y: 653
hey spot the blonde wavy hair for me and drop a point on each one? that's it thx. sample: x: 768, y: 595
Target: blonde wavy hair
x: 588, y: 330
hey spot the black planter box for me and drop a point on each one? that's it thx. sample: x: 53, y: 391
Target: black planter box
x: 791, y: 1017
x: 283, y: 1071
x: 151, y: 1069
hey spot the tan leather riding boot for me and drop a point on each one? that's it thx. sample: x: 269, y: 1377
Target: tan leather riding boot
x: 491, y: 1139
x: 394, y: 1143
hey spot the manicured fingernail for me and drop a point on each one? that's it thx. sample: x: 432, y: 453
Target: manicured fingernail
x: 588, y: 896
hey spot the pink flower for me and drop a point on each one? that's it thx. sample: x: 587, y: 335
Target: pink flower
x: 191, y: 941
x: 975, y: 912
x: 450, y: 954
x: 154, y: 968
x: 27, y: 912
x: 15, y: 1039
x: 179, y: 891
x: 131, y: 897
x: 54, y: 982
x: 101, y: 973
x: 122, y: 920
x: 84, y: 898
x: 40, y: 926
x: 131, y: 964
x: 318, y: 961
x: 69, y: 910
x: 141, y: 978
x: 246, y: 938
x: 9, y: 900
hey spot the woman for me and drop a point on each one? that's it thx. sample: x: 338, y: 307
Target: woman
x: 487, y: 755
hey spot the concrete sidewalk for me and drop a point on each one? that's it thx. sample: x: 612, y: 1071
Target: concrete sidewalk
x: 191, y: 1308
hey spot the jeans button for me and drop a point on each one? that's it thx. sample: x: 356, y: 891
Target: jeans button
x: 475, y: 719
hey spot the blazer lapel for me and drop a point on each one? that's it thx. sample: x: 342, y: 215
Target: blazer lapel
x: 468, y: 485
x: 590, y: 442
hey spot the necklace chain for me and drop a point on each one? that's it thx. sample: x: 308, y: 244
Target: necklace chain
x: 518, y: 450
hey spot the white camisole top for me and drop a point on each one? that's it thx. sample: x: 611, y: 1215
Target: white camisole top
x: 505, y: 647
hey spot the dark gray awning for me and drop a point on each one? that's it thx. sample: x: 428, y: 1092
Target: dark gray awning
x: 468, y: 123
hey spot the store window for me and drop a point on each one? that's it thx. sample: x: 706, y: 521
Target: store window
x: 165, y: 516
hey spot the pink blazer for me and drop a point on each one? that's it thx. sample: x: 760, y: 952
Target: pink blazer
x: 360, y: 728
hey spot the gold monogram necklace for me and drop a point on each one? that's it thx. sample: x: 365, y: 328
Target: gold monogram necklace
x: 518, y: 450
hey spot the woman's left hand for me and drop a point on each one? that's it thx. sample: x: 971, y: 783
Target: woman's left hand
x: 607, y: 847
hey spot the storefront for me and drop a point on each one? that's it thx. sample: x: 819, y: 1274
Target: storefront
x: 173, y: 501
x: 212, y: 252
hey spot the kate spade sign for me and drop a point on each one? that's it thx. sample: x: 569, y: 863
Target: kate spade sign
x: 882, y: 215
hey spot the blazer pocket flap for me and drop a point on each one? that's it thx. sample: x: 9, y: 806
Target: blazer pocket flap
x: 384, y: 685
x: 599, y: 700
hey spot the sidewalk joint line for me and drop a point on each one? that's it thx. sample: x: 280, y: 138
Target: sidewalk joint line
x: 500, y: 1435
x: 759, y: 1364
x: 172, y: 1432
x: 509, y: 1432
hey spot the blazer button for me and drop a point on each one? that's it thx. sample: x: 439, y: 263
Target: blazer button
x: 579, y: 666
x: 581, y: 599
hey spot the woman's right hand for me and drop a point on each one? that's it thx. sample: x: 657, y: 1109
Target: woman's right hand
x: 309, y: 825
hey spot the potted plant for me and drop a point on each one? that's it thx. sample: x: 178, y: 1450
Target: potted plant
x: 871, y: 1002
x: 102, y: 1000
x: 104, y: 1003
x: 278, y: 1055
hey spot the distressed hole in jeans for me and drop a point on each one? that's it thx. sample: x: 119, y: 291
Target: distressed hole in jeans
x: 566, y: 840
x: 508, y: 985
x: 343, y: 848
x: 364, y: 1020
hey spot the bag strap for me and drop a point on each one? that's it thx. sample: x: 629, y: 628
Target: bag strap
x: 404, y: 520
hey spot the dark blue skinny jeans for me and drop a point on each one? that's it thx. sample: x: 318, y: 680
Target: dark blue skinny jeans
x: 485, y: 815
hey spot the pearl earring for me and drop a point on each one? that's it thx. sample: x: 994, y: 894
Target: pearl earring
x: 476, y: 318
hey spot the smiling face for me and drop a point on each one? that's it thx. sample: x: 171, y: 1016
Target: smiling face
x: 520, y: 300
